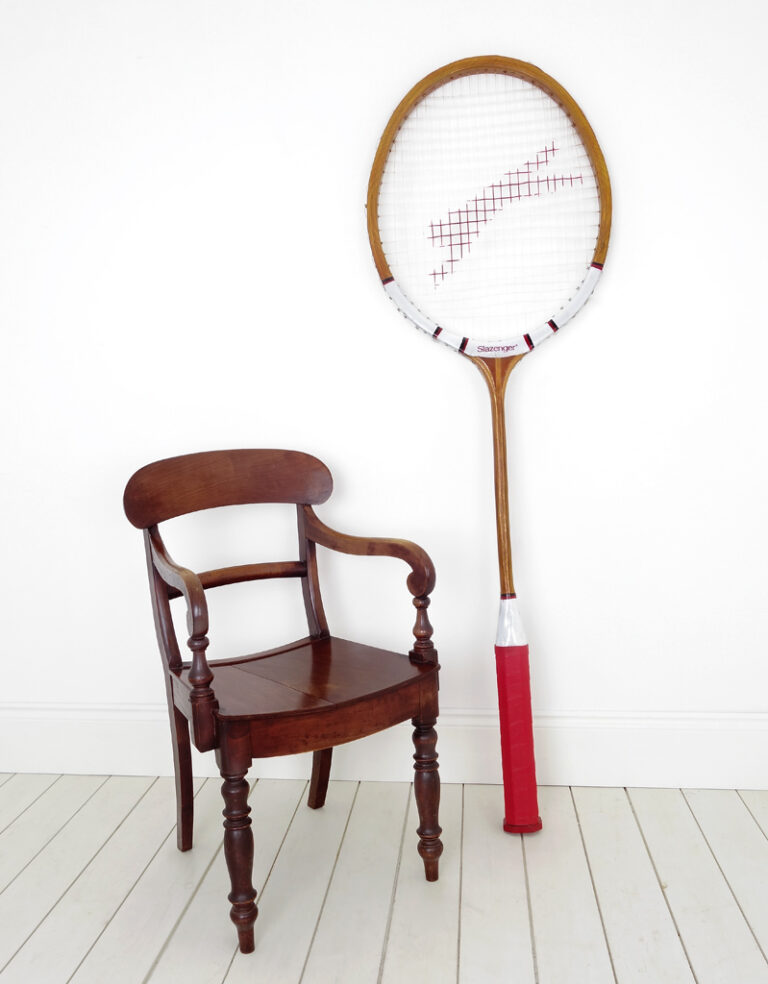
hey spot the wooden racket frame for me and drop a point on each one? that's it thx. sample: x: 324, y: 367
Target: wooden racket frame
x: 495, y: 371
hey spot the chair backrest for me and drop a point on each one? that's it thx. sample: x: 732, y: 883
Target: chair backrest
x: 176, y: 486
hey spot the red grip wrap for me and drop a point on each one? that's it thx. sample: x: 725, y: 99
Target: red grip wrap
x: 521, y: 809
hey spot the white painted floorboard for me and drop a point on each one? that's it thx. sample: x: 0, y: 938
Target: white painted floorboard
x: 65, y: 936
x: 718, y: 940
x: 424, y: 928
x: 352, y: 929
x: 741, y: 851
x: 201, y: 949
x: 568, y: 935
x: 639, y: 929
x: 495, y: 929
x: 642, y: 886
x: 31, y: 830
x: 18, y: 793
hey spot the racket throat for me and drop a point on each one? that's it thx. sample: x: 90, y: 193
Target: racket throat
x: 496, y: 373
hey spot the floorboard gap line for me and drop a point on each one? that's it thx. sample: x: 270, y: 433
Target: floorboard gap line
x: 260, y: 896
x: 725, y: 877
x: 80, y: 872
x: 328, y: 886
x: 53, y: 836
x: 216, y: 856
x: 394, y: 888
x: 661, y: 885
x: 182, y: 913
x: 42, y: 793
x: 530, y: 912
x: 749, y: 811
x: 160, y: 846
x: 592, y: 882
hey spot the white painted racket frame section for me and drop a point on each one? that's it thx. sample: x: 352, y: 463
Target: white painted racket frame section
x: 516, y: 345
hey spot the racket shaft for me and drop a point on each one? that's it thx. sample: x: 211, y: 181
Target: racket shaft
x: 521, y: 813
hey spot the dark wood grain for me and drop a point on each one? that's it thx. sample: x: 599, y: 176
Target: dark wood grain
x: 309, y: 695
x: 421, y: 581
x: 423, y: 649
x: 247, y: 572
x: 176, y: 486
x: 332, y: 726
x: 321, y: 773
x: 310, y: 584
x: 330, y: 671
x: 426, y: 791
x: 182, y: 767
x: 233, y: 758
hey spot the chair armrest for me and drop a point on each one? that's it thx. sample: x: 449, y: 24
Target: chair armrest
x: 421, y: 580
x: 186, y: 582
x: 202, y: 700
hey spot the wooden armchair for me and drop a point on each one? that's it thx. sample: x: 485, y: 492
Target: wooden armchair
x: 308, y: 695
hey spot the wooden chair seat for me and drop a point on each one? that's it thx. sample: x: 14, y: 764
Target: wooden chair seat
x: 318, y: 688
x: 311, y: 675
x: 308, y: 695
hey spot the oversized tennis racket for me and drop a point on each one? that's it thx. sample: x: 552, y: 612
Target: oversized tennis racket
x: 489, y: 211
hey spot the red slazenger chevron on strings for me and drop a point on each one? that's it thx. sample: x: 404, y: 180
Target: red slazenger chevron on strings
x: 455, y: 235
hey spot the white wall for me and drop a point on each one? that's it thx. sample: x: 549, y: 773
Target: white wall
x: 184, y: 266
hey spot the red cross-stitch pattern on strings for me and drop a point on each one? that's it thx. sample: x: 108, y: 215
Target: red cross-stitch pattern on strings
x: 455, y: 235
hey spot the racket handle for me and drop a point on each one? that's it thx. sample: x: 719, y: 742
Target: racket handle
x: 521, y: 810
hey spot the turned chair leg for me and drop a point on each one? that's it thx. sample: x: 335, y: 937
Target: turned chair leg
x: 238, y: 851
x: 321, y: 771
x: 426, y: 788
x: 182, y: 768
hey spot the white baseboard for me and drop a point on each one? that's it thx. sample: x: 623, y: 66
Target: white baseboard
x: 705, y: 750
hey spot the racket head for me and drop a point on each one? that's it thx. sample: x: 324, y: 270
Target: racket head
x: 489, y: 206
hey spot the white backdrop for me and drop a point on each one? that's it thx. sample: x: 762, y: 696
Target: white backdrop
x: 184, y: 266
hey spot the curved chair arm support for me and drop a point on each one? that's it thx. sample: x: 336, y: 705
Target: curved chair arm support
x: 184, y: 581
x: 201, y: 697
x: 421, y: 580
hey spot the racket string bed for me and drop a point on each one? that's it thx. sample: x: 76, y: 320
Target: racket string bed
x: 488, y: 139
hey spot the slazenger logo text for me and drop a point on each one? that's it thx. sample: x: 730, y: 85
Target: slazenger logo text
x: 497, y: 348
